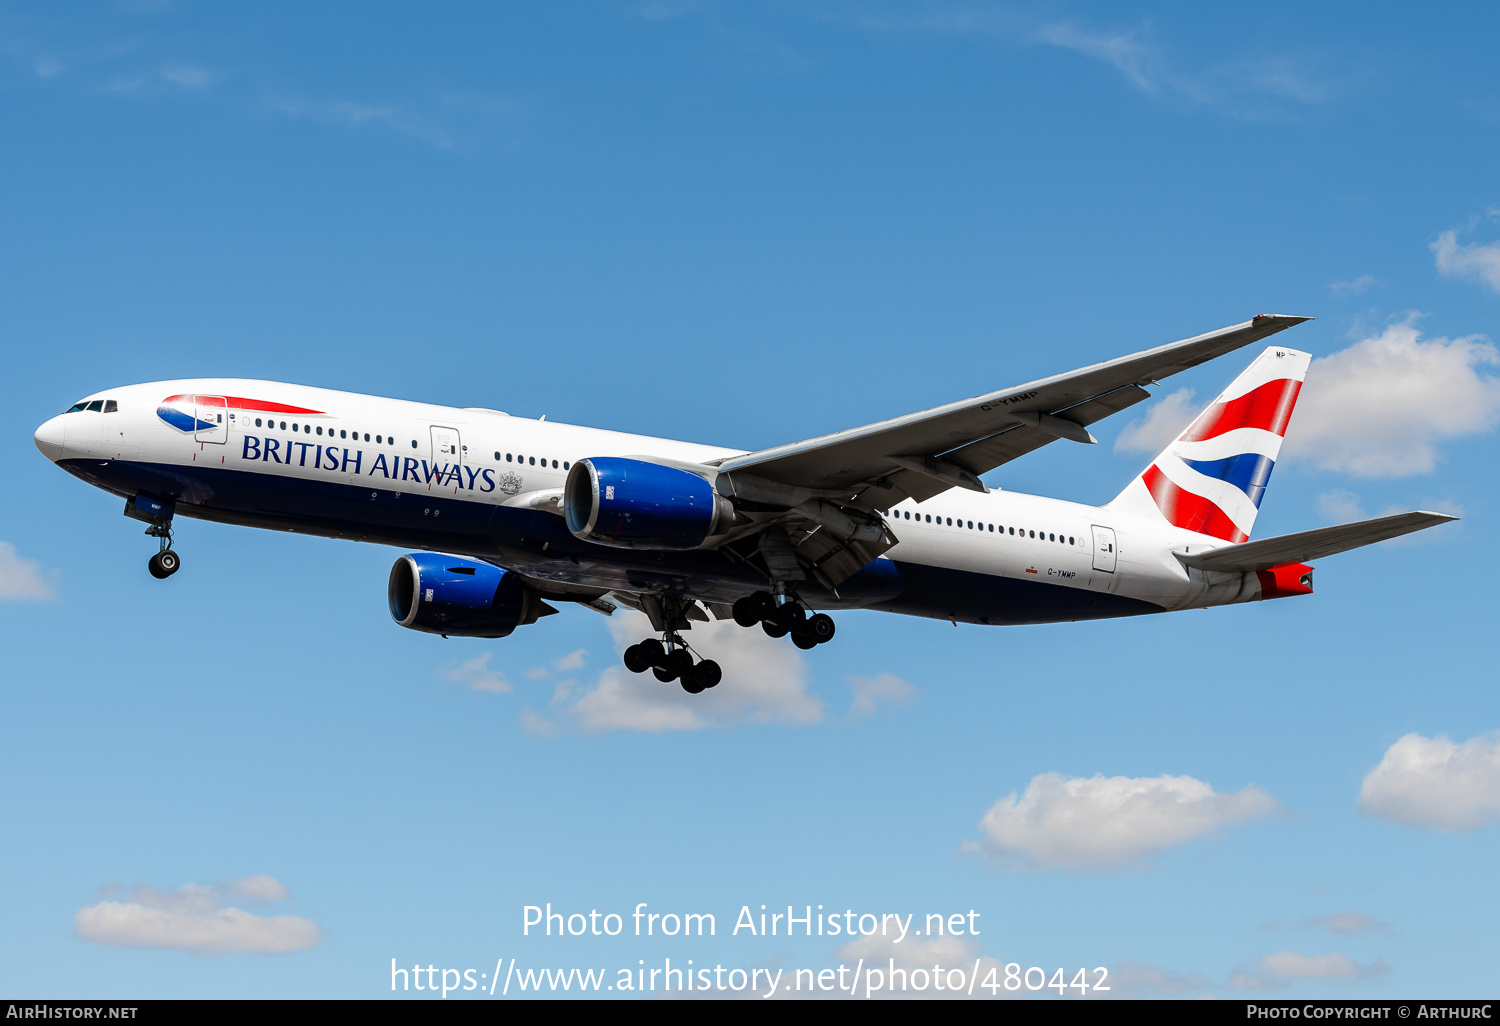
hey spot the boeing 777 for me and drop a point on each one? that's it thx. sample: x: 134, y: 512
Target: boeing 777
x: 511, y: 513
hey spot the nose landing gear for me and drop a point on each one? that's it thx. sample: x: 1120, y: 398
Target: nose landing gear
x: 166, y: 562
x: 157, y: 515
x: 669, y: 660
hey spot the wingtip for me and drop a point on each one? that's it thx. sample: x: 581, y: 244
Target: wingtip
x: 1284, y: 320
x: 1438, y: 518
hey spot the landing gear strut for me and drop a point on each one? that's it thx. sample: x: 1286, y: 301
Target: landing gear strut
x: 780, y: 615
x: 166, y: 562
x: 670, y: 659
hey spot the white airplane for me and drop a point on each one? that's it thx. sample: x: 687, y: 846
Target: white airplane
x: 512, y: 512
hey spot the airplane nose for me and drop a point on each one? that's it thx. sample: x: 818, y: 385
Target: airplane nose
x: 49, y: 439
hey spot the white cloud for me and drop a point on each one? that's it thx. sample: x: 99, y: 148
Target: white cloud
x: 869, y: 692
x: 1479, y: 261
x: 1163, y: 422
x: 1379, y: 407
x: 1127, y: 52
x: 1137, y: 979
x: 1340, y: 506
x: 1289, y: 965
x: 1353, y: 288
x: 1376, y: 409
x: 1100, y: 822
x: 765, y: 681
x: 1435, y: 783
x: 476, y: 674
x: 188, y: 77
x: 1251, y: 86
x: 195, y: 918
x: 571, y: 661
x: 1346, y: 922
x: 22, y: 579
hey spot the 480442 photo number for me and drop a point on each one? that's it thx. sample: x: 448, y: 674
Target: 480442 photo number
x: 1015, y: 979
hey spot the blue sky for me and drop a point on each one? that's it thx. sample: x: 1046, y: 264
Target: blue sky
x: 748, y: 224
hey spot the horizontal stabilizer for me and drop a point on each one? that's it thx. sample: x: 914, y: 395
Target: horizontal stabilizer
x: 1307, y: 545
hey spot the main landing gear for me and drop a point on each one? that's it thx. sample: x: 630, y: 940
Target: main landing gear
x: 671, y: 660
x: 781, y: 615
x: 166, y: 562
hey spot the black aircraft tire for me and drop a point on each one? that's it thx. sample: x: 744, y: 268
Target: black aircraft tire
x: 635, y: 660
x: 708, y: 673
x: 652, y: 652
x: 804, y: 642
x: 164, y: 564
x: 665, y: 676
x: 774, y: 630
x: 747, y: 611
x: 819, y: 627
x: 680, y: 663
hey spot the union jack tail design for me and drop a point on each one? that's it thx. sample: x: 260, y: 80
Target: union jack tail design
x: 1212, y: 478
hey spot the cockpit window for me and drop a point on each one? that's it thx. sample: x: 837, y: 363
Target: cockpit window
x: 97, y: 406
x: 76, y: 407
x: 111, y: 406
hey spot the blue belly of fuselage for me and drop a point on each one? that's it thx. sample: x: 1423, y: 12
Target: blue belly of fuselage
x: 538, y: 544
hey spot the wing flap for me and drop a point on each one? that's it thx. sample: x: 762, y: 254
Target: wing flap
x: 1308, y: 545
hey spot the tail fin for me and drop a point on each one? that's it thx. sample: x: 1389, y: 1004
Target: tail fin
x: 1212, y: 478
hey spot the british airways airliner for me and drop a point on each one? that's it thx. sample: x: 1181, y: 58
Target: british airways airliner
x: 511, y: 513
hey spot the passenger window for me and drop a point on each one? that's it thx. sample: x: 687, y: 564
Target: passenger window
x: 1052, y: 537
x: 320, y: 429
x: 971, y: 525
x: 554, y: 464
x: 110, y: 406
x: 294, y: 427
x: 97, y: 406
x: 533, y: 461
x: 507, y: 457
x: 413, y: 443
x: 565, y: 464
x: 343, y: 434
x: 929, y: 518
x: 377, y: 439
x: 283, y: 425
x: 1070, y: 539
x: 257, y: 422
x: 1033, y: 534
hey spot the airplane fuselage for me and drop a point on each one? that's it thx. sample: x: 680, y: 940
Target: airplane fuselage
x: 485, y: 485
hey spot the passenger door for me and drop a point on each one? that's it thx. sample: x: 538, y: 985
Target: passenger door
x: 211, y: 413
x: 447, y: 450
x: 1104, y: 549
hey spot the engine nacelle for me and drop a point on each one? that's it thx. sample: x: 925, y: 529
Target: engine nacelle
x: 459, y: 597
x: 635, y: 504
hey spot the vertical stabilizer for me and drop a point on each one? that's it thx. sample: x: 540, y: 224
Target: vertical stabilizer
x: 1211, y: 479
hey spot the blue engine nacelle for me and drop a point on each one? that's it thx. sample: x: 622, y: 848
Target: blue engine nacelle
x: 634, y: 504
x: 460, y: 598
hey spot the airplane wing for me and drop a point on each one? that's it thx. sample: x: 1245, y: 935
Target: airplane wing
x: 923, y: 454
x: 1305, y: 545
x: 829, y: 487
